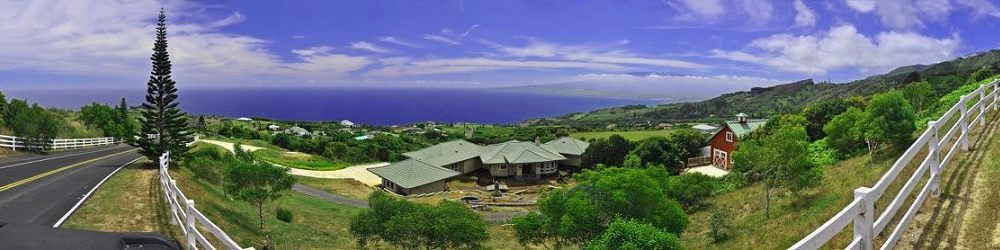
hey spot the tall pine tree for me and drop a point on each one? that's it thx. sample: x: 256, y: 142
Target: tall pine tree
x: 164, y: 126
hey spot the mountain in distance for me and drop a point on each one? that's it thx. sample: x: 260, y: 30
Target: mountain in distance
x: 664, y: 86
x: 762, y: 102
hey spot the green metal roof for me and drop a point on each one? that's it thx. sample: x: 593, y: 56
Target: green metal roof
x: 744, y: 129
x: 447, y: 152
x: 413, y: 173
x: 567, y: 146
x: 518, y: 152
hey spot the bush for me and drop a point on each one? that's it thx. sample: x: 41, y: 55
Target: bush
x: 284, y: 214
x: 718, y: 225
x: 821, y: 154
x: 731, y: 181
x: 691, y: 188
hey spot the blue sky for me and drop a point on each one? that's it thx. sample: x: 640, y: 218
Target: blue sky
x: 741, y: 43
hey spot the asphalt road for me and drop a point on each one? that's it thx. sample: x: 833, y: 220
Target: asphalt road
x: 41, y: 189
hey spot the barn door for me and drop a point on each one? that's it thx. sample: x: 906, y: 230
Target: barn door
x: 720, y: 158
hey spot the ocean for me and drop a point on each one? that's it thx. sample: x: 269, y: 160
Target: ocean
x: 375, y: 106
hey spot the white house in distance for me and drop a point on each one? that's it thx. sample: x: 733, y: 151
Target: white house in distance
x: 347, y: 123
x: 299, y: 131
x: 273, y: 127
x: 705, y: 128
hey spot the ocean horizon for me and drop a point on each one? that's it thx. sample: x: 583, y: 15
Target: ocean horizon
x: 374, y: 106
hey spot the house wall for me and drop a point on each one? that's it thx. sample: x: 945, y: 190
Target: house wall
x: 465, y: 166
x: 498, y: 170
x: 572, y: 160
x: 719, y: 142
x: 432, y: 187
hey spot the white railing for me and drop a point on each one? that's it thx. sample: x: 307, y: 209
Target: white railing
x: 862, y: 212
x: 15, y: 143
x: 188, y: 217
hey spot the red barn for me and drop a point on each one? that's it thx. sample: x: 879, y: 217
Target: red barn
x: 723, y: 143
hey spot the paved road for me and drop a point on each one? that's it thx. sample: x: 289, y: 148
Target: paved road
x: 40, y: 190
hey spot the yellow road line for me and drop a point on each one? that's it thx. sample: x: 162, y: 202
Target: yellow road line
x: 42, y: 175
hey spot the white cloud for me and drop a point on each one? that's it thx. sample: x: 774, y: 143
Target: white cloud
x: 981, y: 7
x: 407, y: 67
x: 862, y: 5
x: 595, y: 54
x: 362, y: 45
x: 711, y: 9
x: 844, y: 48
x: 804, y: 16
x: 441, y: 39
x: 533, y: 56
x: 910, y: 14
x: 759, y: 12
x: 94, y: 38
x: 397, y: 41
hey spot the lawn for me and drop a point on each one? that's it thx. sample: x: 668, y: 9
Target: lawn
x: 299, y: 160
x: 128, y: 202
x: 629, y: 135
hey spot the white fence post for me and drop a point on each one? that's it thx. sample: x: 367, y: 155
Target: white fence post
x: 934, y: 162
x: 982, y: 106
x: 865, y: 220
x: 13, y: 143
x: 189, y: 224
x: 964, y: 122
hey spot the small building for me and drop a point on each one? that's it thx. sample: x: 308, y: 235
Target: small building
x: 723, y: 142
x: 347, y: 123
x: 273, y: 127
x: 429, y: 169
x: 705, y: 128
x: 364, y: 137
x: 299, y: 131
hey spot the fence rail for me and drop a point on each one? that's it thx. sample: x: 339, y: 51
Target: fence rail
x: 15, y: 143
x: 188, y: 217
x: 862, y: 213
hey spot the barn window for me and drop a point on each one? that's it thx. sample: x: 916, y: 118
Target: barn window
x: 729, y: 136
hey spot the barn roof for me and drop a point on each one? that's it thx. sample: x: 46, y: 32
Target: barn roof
x: 743, y: 129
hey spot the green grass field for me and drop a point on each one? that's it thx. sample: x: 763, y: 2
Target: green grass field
x: 629, y: 135
x: 299, y: 160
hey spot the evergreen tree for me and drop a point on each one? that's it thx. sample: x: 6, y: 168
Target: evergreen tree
x: 128, y: 126
x: 164, y: 126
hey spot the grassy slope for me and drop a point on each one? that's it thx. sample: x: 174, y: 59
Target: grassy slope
x: 344, y: 187
x: 128, y: 202
x: 299, y: 160
x: 789, y: 221
x: 629, y: 135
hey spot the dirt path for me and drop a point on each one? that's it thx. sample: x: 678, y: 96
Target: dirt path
x: 231, y: 146
x: 968, y: 203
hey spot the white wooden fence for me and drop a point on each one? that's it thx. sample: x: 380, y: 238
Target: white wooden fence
x: 15, y: 143
x: 861, y: 212
x: 188, y: 217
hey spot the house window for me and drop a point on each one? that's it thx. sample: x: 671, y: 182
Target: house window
x: 729, y: 136
x: 503, y: 167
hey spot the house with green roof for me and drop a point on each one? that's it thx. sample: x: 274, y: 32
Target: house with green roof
x: 428, y: 170
x: 723, y: 142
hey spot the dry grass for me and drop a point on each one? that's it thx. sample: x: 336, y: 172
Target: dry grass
x: 130, y: 201
x: 348, y: 188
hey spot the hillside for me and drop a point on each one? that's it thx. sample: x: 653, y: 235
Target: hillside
x: 766, y: 101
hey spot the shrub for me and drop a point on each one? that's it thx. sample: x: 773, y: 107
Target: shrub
x: 284, y: 214
x: 718, y: 225
x: 821, y: 154
x: 731, y: 181
x: 691, y: 188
